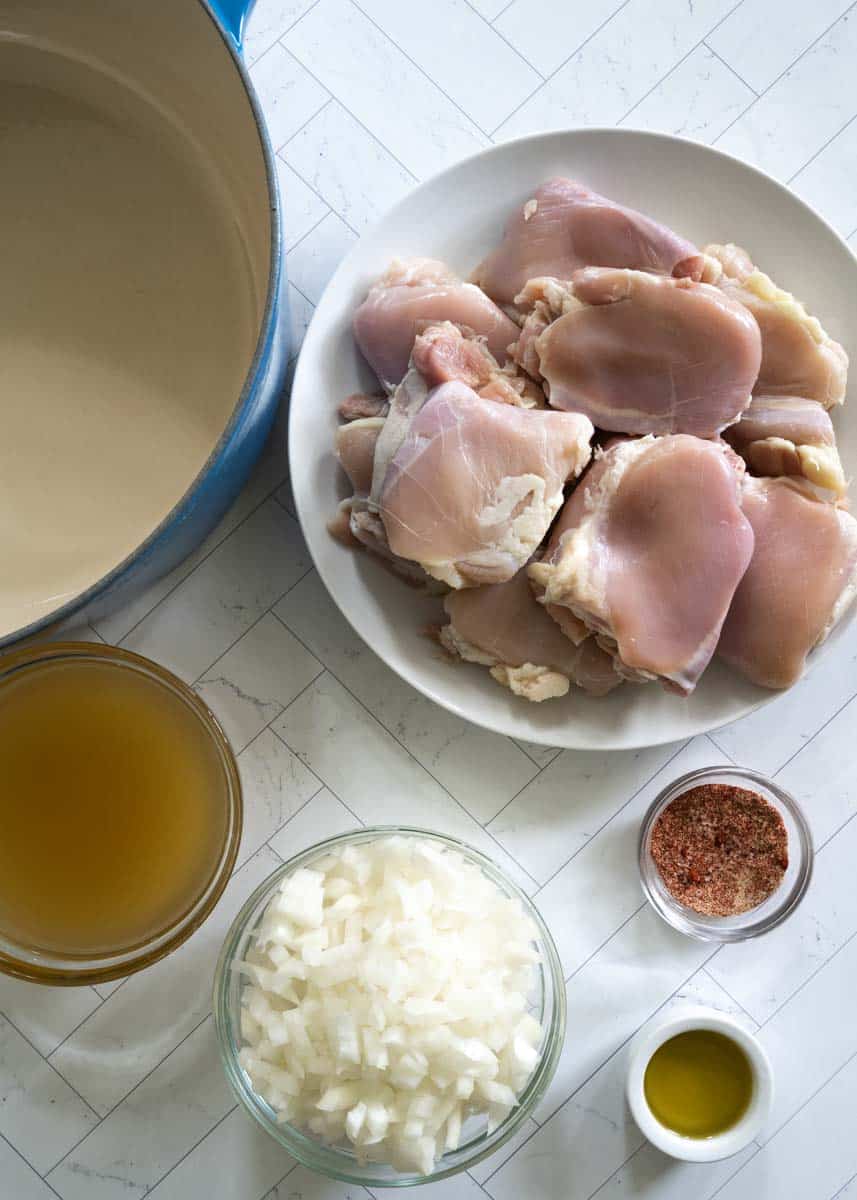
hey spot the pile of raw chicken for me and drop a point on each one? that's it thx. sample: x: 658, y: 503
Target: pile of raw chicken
x: 610, y: 450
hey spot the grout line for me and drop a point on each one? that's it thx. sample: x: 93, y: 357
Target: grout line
x: 534, y: 760
x: 311, y: 303
x: 285, y: 708
x: 737, y: 1003
x: 678, y: 63
x: 27, y: 1162
x: 190, y: 1150
x: 292, y: 514
x: 120, y: 983
x: 310, y: 118
x: 789, y: 1120
x: 835, y: 833
x: 726, y: 64
x: 615, y: 814
x: 102, y: 1000
x: 282, y: 1179
x: 231, y: 646
x: 423, y: 72
x: 846, y: 1184
x: 311, y: 186
x: 622, y: 1164
x: 820, y: 966
x: 95, y: 1113
x: 504, y: 9
x: 300, y: 129
x: 809, y: 979
x: 139, y: 1083
x: 481, y: 1186
x: 820, y: 149
x: 362, y: 124
x: 601, y: 945
x: 324, y: 786
x: 251, y: 627
x: 304, y: 237
x: 564, y: 63
x: 719, y: 748
x: 283, y: 33
x: 540, y: 770
x: 503, y: 38
x: 297, y: 811
x: 737, y: 1170
x: 204, y: 558
x: 410, y: 754
x: 782, y: 73
x: 279, y: 154
x: 809, y: 741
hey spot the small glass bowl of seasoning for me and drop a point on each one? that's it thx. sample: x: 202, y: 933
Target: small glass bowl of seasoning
x: 725, y: 854
x: 700, y: 1086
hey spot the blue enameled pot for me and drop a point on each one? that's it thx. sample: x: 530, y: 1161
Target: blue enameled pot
x: 184, y: 58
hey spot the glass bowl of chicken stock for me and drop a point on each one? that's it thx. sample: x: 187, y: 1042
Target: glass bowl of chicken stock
x: 546, y: 1002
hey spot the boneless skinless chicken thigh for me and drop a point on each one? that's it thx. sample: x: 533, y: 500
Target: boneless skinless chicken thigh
x: 802, y: 577
x: 641, y: 353
x: 798, y: 357
x: 502, y: 627
x: 413, y: 294
x: 473, y: 486
x: 715, y: 520
x: 648, y: 553
x: 789, y: 435
x: 564, y: 226
x: 451, y: 482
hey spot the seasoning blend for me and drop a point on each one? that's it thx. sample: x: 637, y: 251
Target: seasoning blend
x: 724, y: 854
x: 720, y: 849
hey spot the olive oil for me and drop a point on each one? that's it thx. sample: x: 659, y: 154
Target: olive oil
x: 699, y: 1083
x: 114, y: 806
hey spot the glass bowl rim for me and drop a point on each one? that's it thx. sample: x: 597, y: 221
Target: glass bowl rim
x: 329, y: 1160
x: 76, y: 970
x: 727, y: 929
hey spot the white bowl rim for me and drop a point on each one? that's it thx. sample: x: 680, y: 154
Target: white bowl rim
x: 413, y: 676
x: 690, y: 1149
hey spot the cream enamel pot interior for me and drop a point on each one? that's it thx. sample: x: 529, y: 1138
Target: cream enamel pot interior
x: 142, y: 325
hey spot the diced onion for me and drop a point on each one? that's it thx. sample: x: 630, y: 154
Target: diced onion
x: 385, y: 1001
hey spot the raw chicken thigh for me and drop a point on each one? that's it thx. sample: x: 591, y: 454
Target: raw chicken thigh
x: 355, y: 449
x: 356, y: 522
x: 802, y: 577
x: 798, y: 357
x: 707, y: 387
x: 565, y: 226
x: 641, y: 353
x: 787, y: 435
x: 412, y: 294
x: 442, y: 353
x: 472, y: 486
x: 502, y: 627
x: 648, y: 552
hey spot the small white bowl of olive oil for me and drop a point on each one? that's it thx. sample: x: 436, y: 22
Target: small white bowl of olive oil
x: 700, y: 1087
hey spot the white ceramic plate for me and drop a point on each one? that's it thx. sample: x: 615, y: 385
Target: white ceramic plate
x: 458, y: 216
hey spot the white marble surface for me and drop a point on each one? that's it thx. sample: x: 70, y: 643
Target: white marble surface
x: 116, y: 1091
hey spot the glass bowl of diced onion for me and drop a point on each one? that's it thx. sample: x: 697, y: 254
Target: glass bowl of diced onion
x: 383, y: 1074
